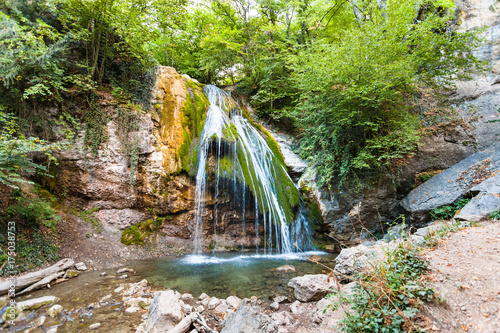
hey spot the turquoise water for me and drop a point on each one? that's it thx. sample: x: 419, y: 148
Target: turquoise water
x: 226, y: 274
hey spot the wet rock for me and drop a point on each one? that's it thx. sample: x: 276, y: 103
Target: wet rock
x: 233, y: 302
x: 124, y: 270
x: 285, y: 268
x: 95, y: 326
x: 275, y: 306
x: 39, y: 321
x: 36, y: 303
x: 54, y: 310
x: 80, y: 266
x: 165, y: 312
x: 311, y: 287
x: 249, y: 319
x: 70, y: 273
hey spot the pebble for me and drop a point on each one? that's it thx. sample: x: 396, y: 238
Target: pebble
x: 275, y: 306
x: 132, y: 309
x: 203, y: 296
x: 80, y: 266
x: 54, y: 310
x: 95, y: 326
x: 124, y: 276
x: 463, y: 308
x: 119, y: 289
x: 186, y: 296
x: 103, y: 273
x: 52, y: 330
x: 200, y: 309
x: 40, y: 321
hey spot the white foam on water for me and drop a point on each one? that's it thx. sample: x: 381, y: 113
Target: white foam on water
x: 198, y: 259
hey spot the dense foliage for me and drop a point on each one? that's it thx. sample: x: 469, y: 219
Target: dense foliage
x: 345, y: 76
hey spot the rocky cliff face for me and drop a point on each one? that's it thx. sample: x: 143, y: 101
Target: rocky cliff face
x: 163, y: 187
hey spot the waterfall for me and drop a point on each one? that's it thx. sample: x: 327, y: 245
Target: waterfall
x: 235, y: 160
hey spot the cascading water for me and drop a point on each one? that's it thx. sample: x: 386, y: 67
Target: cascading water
x: 234, y: 159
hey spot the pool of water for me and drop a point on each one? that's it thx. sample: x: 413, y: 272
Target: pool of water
x: 225, y: 274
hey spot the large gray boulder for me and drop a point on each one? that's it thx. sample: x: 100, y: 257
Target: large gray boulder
x: 165, y: 312
x: 479, y: 207
x: 249, y: 319
x: 452, y: 184
x: 311, y: 287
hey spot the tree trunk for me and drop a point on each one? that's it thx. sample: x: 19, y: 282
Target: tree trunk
x: 33, y: 277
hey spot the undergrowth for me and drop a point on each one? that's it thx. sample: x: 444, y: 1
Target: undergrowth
x: 448, y: 211
x: 388, y: 295
x: 89, y: 217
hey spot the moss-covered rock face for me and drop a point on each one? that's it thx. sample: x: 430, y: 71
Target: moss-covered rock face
x: 181, y: 105
x: 136, y: 234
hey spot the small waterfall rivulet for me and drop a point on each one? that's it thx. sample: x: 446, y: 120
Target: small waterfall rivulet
x: 239, y: 168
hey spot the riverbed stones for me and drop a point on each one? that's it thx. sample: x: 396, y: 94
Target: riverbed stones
x: 222, y: 307
x: 95, y: 326
x: 36, y: 303
x: 280, y: 299
x: 203, y: 296
x: 40, y: 320
x: 275, y: 306
x: 213, y: 303
x: 132, y: 309
x: 52, y: 330
x: 54, y: 310
x: 186, y: 297
x: 165, y: 312
x: 233, y: 302
x: 311, y: 287
x: 285, y: 268
x: 119, y: 289
x: 249, y: 319
x: 80, y: 266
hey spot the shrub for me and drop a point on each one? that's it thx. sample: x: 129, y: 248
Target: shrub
x: 448, y: 211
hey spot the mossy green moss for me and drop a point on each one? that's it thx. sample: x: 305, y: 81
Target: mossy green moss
x: 194, y: 114
x: 136, y: 234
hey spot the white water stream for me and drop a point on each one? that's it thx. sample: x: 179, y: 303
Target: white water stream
x: 254, y: 170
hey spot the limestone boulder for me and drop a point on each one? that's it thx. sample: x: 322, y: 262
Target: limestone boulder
x: 249, y: 319
x: 312, y: 287
x: 165, y: 312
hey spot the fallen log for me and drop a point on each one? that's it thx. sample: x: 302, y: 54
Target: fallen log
x: 28, y: 279
x: 42, y: 283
